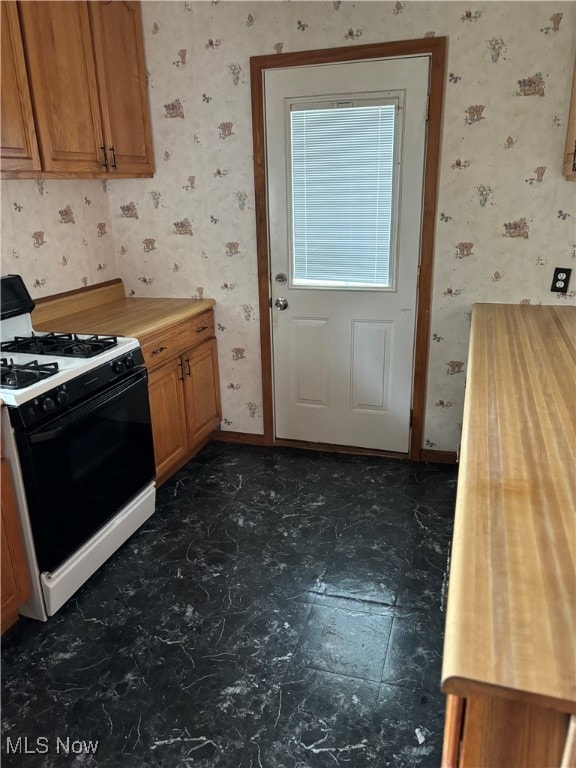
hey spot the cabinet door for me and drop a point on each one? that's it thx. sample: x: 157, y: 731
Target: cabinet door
x: 452, y: 730
x: 512, y: 734
x: 15, y: 578
x: 202, y: 386
x: 168, y: 416
x: 19, y: 150
x: 63, y: 82
x: 121, y: 72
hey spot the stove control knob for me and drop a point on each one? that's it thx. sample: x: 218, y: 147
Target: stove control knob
x: 118, y: 366
x: 48, y: 404
x: 130, y: 362
x: 62, y: 397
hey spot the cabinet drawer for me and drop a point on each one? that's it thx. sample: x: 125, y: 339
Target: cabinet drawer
x: 202, y: 327
x: 164, y: 345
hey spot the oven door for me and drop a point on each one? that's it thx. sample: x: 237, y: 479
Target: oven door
x: 83, y: 467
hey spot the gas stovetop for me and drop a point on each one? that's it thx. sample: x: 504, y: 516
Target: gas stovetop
x: 40, y: 366
x: 62, y: 344
x: 26, y: 376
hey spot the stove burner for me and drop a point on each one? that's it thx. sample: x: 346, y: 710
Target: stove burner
x: 63, y: 344
x: 18, y: 376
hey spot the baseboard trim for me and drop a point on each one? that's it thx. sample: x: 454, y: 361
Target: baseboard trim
x: 247, y: 438
x: 331, y: 448
x: 250, y: 439
x: 438, y: 457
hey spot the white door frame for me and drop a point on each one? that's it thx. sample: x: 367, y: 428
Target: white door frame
x: 435, y: 48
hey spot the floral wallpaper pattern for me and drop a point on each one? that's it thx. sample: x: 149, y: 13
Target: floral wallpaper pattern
x: 57, y: 234
x: 506, y: 216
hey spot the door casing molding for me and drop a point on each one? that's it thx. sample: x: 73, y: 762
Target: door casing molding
x: 435, y: 48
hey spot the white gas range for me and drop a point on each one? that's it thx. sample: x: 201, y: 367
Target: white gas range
x: 77, y: 433
x: 34, y: 364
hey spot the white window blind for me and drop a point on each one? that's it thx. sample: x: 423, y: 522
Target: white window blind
x: 342, y: 179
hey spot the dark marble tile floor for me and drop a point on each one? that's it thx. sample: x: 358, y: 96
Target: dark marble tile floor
x: 282, y: 609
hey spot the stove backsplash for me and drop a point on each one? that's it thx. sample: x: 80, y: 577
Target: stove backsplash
x: 57, y: 234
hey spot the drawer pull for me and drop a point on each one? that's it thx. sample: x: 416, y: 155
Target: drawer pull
x: 201, y: 328
x: 157, y: 351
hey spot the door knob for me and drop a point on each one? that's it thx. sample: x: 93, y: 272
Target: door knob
x: 281, y: 303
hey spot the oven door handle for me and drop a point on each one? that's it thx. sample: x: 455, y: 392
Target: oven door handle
x: 42, y: 437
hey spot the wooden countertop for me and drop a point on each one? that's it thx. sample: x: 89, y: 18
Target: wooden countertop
x: 107, y: 310
x: 511, y: 615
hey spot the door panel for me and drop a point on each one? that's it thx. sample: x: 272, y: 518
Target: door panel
x: 309, y: 343
x: 343, y: 359
x: 371, y: 344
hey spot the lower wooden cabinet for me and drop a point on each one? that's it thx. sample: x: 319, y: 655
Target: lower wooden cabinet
x: 15, y: 578
x: 489, y: 731
x: 202, y: 391
x: 168, y: 411
x: 185, y: 405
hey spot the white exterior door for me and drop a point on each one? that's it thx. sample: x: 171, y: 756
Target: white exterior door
x: 343, y: 355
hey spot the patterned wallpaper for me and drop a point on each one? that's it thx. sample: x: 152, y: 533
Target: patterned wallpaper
x: 57, y: 234
x: 506, y: 215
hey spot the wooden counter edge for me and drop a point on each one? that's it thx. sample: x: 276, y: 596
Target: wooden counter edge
x: 464, y: 687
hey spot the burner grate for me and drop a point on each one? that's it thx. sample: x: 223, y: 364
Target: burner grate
x: 19, y: 375
x: 62, y: 344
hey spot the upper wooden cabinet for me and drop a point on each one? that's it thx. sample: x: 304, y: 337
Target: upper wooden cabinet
x: 87, y: 76
x: 19, y: 149
x: 121, y: 73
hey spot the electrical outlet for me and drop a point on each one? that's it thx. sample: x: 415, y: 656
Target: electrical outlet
x: 561, y: 279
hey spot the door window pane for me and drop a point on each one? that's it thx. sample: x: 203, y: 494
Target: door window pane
x: 342, y: 193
